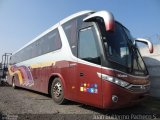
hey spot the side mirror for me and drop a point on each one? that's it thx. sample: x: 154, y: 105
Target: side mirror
x: 106, y: 16
x: 150, y: 45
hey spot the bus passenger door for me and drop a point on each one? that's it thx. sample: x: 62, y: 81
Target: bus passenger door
x: 89, y: 64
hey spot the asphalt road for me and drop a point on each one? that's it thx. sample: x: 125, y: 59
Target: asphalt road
x: 24, y: 104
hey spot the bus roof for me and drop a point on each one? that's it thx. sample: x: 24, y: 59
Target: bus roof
x: 53, y: 27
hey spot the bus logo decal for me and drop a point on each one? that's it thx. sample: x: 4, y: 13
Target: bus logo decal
x: 89, y: 88
x: 24, y: 75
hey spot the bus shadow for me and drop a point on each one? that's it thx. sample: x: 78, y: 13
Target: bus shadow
x: 137, y: 109
x: 150, y: 106
x: 33, y: 91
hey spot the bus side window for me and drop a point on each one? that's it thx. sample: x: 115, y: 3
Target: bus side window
x: 88, y: 49
x: 70, y: 29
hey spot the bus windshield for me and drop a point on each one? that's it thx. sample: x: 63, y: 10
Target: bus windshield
x: 117, y: 46
x: 120, y: 49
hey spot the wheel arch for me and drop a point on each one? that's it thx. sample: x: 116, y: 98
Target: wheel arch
x: 15, y: 78
x: 51, y: 79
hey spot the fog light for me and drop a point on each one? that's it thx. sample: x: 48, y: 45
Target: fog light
x: 114, y: 98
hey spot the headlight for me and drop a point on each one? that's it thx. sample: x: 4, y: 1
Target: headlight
x: 120, y: 82
x: 113, y: 80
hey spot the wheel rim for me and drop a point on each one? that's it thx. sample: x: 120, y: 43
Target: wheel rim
x: 57, y: 90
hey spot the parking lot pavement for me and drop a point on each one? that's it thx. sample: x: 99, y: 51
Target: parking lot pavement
x: 25, y: 104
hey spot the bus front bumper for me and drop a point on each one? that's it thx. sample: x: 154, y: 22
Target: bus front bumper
x: 117, y: 97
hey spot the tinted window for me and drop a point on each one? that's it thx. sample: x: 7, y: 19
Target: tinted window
x: 118, y: 49
x: 70, y: 29
x: 48, y: 43
x: 88, y: 49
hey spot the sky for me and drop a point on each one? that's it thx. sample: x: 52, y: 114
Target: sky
x: 23, y: 20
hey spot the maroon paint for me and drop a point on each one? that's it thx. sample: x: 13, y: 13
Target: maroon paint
x: 69, y: 73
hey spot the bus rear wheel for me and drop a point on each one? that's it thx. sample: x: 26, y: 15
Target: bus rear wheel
x: 13, y: 83
x: 57, y: 91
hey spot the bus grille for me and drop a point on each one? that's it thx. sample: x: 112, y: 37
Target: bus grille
x: 139, y: 88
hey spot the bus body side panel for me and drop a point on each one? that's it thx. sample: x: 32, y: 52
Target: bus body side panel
x: 41, y: 73
x: 90, y: 85
x: 41, y: 68
x: 41, y: 77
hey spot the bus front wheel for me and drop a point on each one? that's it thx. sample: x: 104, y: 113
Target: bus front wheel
x: 57, y: 91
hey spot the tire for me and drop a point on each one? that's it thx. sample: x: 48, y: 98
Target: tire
x: 13, y: 83
x: 57, y: 91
